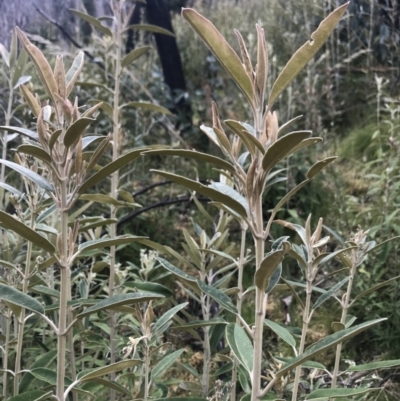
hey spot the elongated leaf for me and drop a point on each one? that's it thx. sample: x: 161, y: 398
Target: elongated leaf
x: 334, y: 254
x: 240, y: 345
x: 93, y: 21
x: 149, y: 287
x: 326, y: 343
x: 281, y: 332
x: 221, y: 49
x: 217, y: 295
x: 16, y: 297
x: 374, y: 366
x: 165, y: 363
x: 73, y: 73
x: 108, y: 242
x: 305, y: 53
x: 181, y: 399
x: 35, y: 151
x: 105, y: 370
x: 76, y: 129
x: 110, y: 168
x: 111, y: 384
x: 149, y: 28
x: 10, y: 223
x: 178, y: 272
x: 267, y: 268
x: 249, y: 140
x: 276, y: 276
x: 42, y: 289
x: 306, y: 143
x: 48, y: 376
x: 231, y: 192
x: 41, y: 362
x: 101, y: 198
x: 375, y: 288
x: 167, y: 316
x: 23, y: 131
x: 133, y: 55
x: 34, y: 395
x: 206, y: 191
x: 11, y: 189
x: 118, y: 300
x: 381, y: 244
x: 295, y: 227
x: 317, y: 167
x: 331, y: 292
x: 281, y: 148
x: 329, y: 393
x: 191, y: 154
x: 195, y: 324
x: 26, y: 172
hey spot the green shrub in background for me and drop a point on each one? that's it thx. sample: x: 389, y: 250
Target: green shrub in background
x: 53, y: 248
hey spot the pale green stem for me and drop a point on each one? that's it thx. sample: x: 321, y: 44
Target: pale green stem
x: 70, y: 338
x: 114, y: 179
x: 146, y: 371
x: 21, y: 318
x: 64, y: 294
x: 259, y: 307
x: 5, y: 356
x: 239, y: 302
x: 345, y: 308
x: 306, y: 318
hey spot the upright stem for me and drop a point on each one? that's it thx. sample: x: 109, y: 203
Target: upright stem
x: 5, y: 355
x: 239, y: 302
x: 64, y: 294
x: 345, y: 308
x: 259, y: 307
x: 306, y: 319
x: 206, y: 347
x: 115, y: 177
x: 21, y: 318
x: 146, y: 371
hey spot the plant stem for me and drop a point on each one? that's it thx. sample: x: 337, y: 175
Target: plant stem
x: 345, y: 308
x: 259, y: 306
x: 115, y: 177
x: 239, y: 301
x: 146, y: 372
x: 206, y: 347
x: 64, y: 294
x: 5, y: 356
x: 306, y: 318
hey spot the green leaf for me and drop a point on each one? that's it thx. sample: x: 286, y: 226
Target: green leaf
x: 221, y: 49
x: 72, y: 75
x: 149, y: 287
x: 110, y: 168
x: 26, y: 172
x: 16, y: 297
x: 42, y: 362
x: 118, y: 300
x: 191, y: 154
x: 301, y: 232
x: 10, y: 223
x: 76, y: 130
x: 105, y: 370
x: 305, y: 53
x: 206, y: 191
x: 282, y: 148
x: 240, y: 345
x: 49, y: 376
x: 34, y: 395
x: 331, y: 292
x: 232, y: 193
x: 42, y: 289
x: 317, y: 167
x: 195, y: 324
x: 374, y: 366
x: 93, y: 21
x: 101, y: 198
x: 108, y: 242
x: 180, y: 399
x: 11, y: 189
x: 249, y: 140
x: 23, y: 131
x: 220, y: 297
x: 328, y: 393
x: 375, y: 288
x: 276, y: 276
x: 165, y: 363
x: 111, y: 384
x: 281, y: 332
x: 178, y: 272
x: 133, y: 55
x: 167, y: 316
x: 149, y: 28
x: 326, y: 343
x: 267, y: 268
x: 35, y: 151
